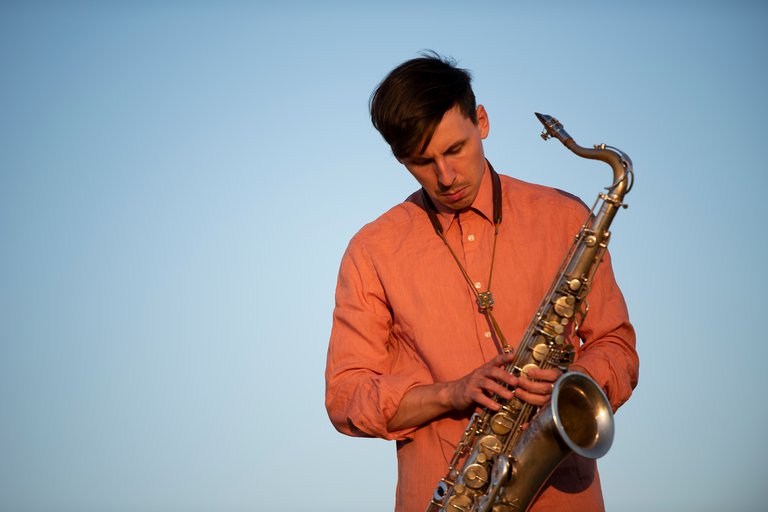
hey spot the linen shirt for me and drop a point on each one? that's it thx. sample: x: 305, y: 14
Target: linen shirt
x: 405, y: 316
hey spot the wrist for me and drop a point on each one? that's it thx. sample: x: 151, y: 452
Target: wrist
x: 445, y: 394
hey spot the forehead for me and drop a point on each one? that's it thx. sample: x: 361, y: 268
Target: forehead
x: 453, y: 128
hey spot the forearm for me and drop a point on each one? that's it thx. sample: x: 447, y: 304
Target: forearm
x: 420, y: 405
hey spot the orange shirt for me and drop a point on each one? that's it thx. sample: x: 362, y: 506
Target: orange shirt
x: 405, y: 316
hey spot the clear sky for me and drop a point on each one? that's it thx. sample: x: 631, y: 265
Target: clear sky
x: 179, y: 180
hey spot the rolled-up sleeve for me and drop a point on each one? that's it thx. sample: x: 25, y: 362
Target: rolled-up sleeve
x: 367, y: 371
x: 608, y: 351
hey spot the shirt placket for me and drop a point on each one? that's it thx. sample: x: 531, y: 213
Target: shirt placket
x: 477, y: 247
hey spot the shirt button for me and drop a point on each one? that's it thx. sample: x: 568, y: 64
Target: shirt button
x: 471, y: 238
x: 487, y: 334
x: 478, y: 285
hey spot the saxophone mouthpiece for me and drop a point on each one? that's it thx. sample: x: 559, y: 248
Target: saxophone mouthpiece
x: 543, y: 117
x: 552, y: 128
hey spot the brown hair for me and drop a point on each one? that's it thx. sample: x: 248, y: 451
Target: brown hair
x: 410, y: 102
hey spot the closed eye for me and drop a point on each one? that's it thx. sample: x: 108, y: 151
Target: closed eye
x: 454, y: 149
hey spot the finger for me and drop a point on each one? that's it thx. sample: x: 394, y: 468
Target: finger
x: 486, y: 401
x: 490, y: 386
x: 501, y: 375
x: 494, y: 396
x: 538, y: 387
x: 531, y: 398
x: 502, y: 359
x: 549, y: 374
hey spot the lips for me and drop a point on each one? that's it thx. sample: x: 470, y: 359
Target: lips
x: 452, y: 197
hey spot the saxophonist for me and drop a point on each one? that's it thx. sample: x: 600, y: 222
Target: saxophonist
x: 433, y: 296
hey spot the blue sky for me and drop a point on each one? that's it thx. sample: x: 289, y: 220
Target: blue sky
x: 179, y: 180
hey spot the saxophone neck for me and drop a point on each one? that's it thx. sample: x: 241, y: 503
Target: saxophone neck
x: 619, y: 161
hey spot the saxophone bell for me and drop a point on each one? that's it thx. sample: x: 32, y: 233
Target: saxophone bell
x: 578, y: 419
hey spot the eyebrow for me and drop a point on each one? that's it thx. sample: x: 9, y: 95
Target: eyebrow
x: 417, y: 160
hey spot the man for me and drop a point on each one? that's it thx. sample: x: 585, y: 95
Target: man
x: 411, y: 355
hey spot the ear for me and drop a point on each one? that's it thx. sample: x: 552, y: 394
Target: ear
x: 482, y: 121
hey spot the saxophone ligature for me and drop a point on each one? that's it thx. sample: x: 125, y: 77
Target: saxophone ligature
x: 504, y: 457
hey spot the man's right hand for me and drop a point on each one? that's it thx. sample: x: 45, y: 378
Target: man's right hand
x: 479, y: 385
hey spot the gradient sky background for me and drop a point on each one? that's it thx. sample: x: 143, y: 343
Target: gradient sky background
x: 179, y: 180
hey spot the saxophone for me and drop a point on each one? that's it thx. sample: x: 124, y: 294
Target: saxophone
x: 508, y: 454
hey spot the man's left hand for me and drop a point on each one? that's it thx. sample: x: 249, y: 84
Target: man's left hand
x: 535, y: 386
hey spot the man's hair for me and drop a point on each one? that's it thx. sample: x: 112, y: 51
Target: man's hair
x: 410, y: 102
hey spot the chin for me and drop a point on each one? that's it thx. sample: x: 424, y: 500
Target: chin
x: 459, y: 205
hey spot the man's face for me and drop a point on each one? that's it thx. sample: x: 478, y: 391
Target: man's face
x: 452, y: 166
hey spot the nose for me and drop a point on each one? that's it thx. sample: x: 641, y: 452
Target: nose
x: 445, y: 174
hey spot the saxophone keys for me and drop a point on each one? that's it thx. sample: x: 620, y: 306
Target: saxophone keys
x: 502, y: 422
x: 459, y: 503
x: 490, y: 446
x: 564, y: 305
x: 540, y: 351
x: 550, y: 328
x: 557, y: 328
x: 475, y: 476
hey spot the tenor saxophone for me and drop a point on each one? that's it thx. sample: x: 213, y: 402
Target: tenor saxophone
x: 504, y: 457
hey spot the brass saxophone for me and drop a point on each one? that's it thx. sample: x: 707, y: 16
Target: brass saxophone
x: 508, y: 455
